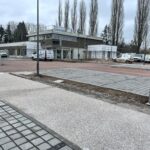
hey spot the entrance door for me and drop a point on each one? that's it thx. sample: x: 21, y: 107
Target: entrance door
x: 58, y: 54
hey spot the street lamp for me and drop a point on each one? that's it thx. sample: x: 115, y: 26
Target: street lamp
x: 38, y: 38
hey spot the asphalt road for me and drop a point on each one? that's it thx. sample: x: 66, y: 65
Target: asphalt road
x: 87, y: 122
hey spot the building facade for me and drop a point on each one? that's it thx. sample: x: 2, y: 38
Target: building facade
x: 22, y: 49
x: 105, y: 52
x: 66, y: 45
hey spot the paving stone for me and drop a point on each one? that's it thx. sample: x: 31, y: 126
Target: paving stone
x: 21, y: 128
x: 22, y: 119
x: 41, y: 132
x: 26, y: 146
x: 54, y: 142
x: 15, y: 136
x: 31, y: 125
x: 44, y: 146
x: 17, y: 125
x: 37, y: 141
x: 8, y: 146
x: 26, y: 121
x: 4, y: 124
x: 36, y: 128
x: 20, y: 141
x: 4, y: 140
x: 9, y: 119
x: 2, y: 104
x: 47, y: 137
x: 13, y: 121
x: 10, y: 132
x: 31, y: 136
x: 18, y: 116
x: 26, y: 132
x: 66, y: 148
x: 6, y: 128
x: 2, y: 135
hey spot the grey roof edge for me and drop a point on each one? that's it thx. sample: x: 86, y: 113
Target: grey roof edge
x: 65, y: 33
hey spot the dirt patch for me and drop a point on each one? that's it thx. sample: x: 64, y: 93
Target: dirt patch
x: 115, y: 96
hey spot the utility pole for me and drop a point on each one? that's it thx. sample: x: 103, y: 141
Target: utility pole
x: 38, y: 38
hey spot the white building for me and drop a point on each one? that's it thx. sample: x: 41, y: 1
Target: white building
x: 102, y: 52
x: 20, y: 48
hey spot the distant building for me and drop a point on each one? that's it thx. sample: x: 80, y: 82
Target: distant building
x: 66, y: 45
x: 105, y: 52
x: 25, y: 49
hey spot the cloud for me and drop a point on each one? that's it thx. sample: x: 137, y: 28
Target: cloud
x: 25, y: 10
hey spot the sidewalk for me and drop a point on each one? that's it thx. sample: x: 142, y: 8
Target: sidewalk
x: 21, y: 132
x: 85, y: 121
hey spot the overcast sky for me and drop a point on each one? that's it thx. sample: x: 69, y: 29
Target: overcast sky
x: 25, y: 10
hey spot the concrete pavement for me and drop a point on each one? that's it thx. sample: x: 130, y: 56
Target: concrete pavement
x: 88, y: 122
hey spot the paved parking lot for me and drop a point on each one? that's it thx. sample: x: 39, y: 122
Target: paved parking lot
x: 87, y: 122
x: 20, y: 132
x: 132, y: 84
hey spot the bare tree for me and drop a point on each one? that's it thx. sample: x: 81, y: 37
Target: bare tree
x: 93, y: 18
x: 117, y: 21
x: 82, y: 18
x: 60, y: 14
x: 66, y: 15
x: 74, y: 16
x: 141, y: 22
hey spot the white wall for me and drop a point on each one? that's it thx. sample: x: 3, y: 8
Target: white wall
x: 81, y: 53
x: 102, y: 48
x: 100, y: 55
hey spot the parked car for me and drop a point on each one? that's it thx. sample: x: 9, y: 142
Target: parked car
x: 147, y: 58
x: 44, y: 55
x: 138, y: 57
x: 125, y: 58
x: 3, y: 55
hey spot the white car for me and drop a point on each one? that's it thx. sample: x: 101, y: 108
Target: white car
x: 3, y: 55
x: 138, y: 57
x: 44, y: 55
x: 147, y: 58
x: 125, y: 58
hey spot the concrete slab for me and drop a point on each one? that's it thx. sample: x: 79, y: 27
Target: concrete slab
x: 90, y: 123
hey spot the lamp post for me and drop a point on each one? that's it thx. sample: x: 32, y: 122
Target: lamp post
x: 38, y: 38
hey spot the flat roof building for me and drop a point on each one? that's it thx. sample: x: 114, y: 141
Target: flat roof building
x: 25, y: 49
x: 66, y: 45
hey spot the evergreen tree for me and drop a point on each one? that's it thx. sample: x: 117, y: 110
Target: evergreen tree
x: 2, y: 32
x: 20, y: 33
x: 8, y: 35
x: 106, y: 35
